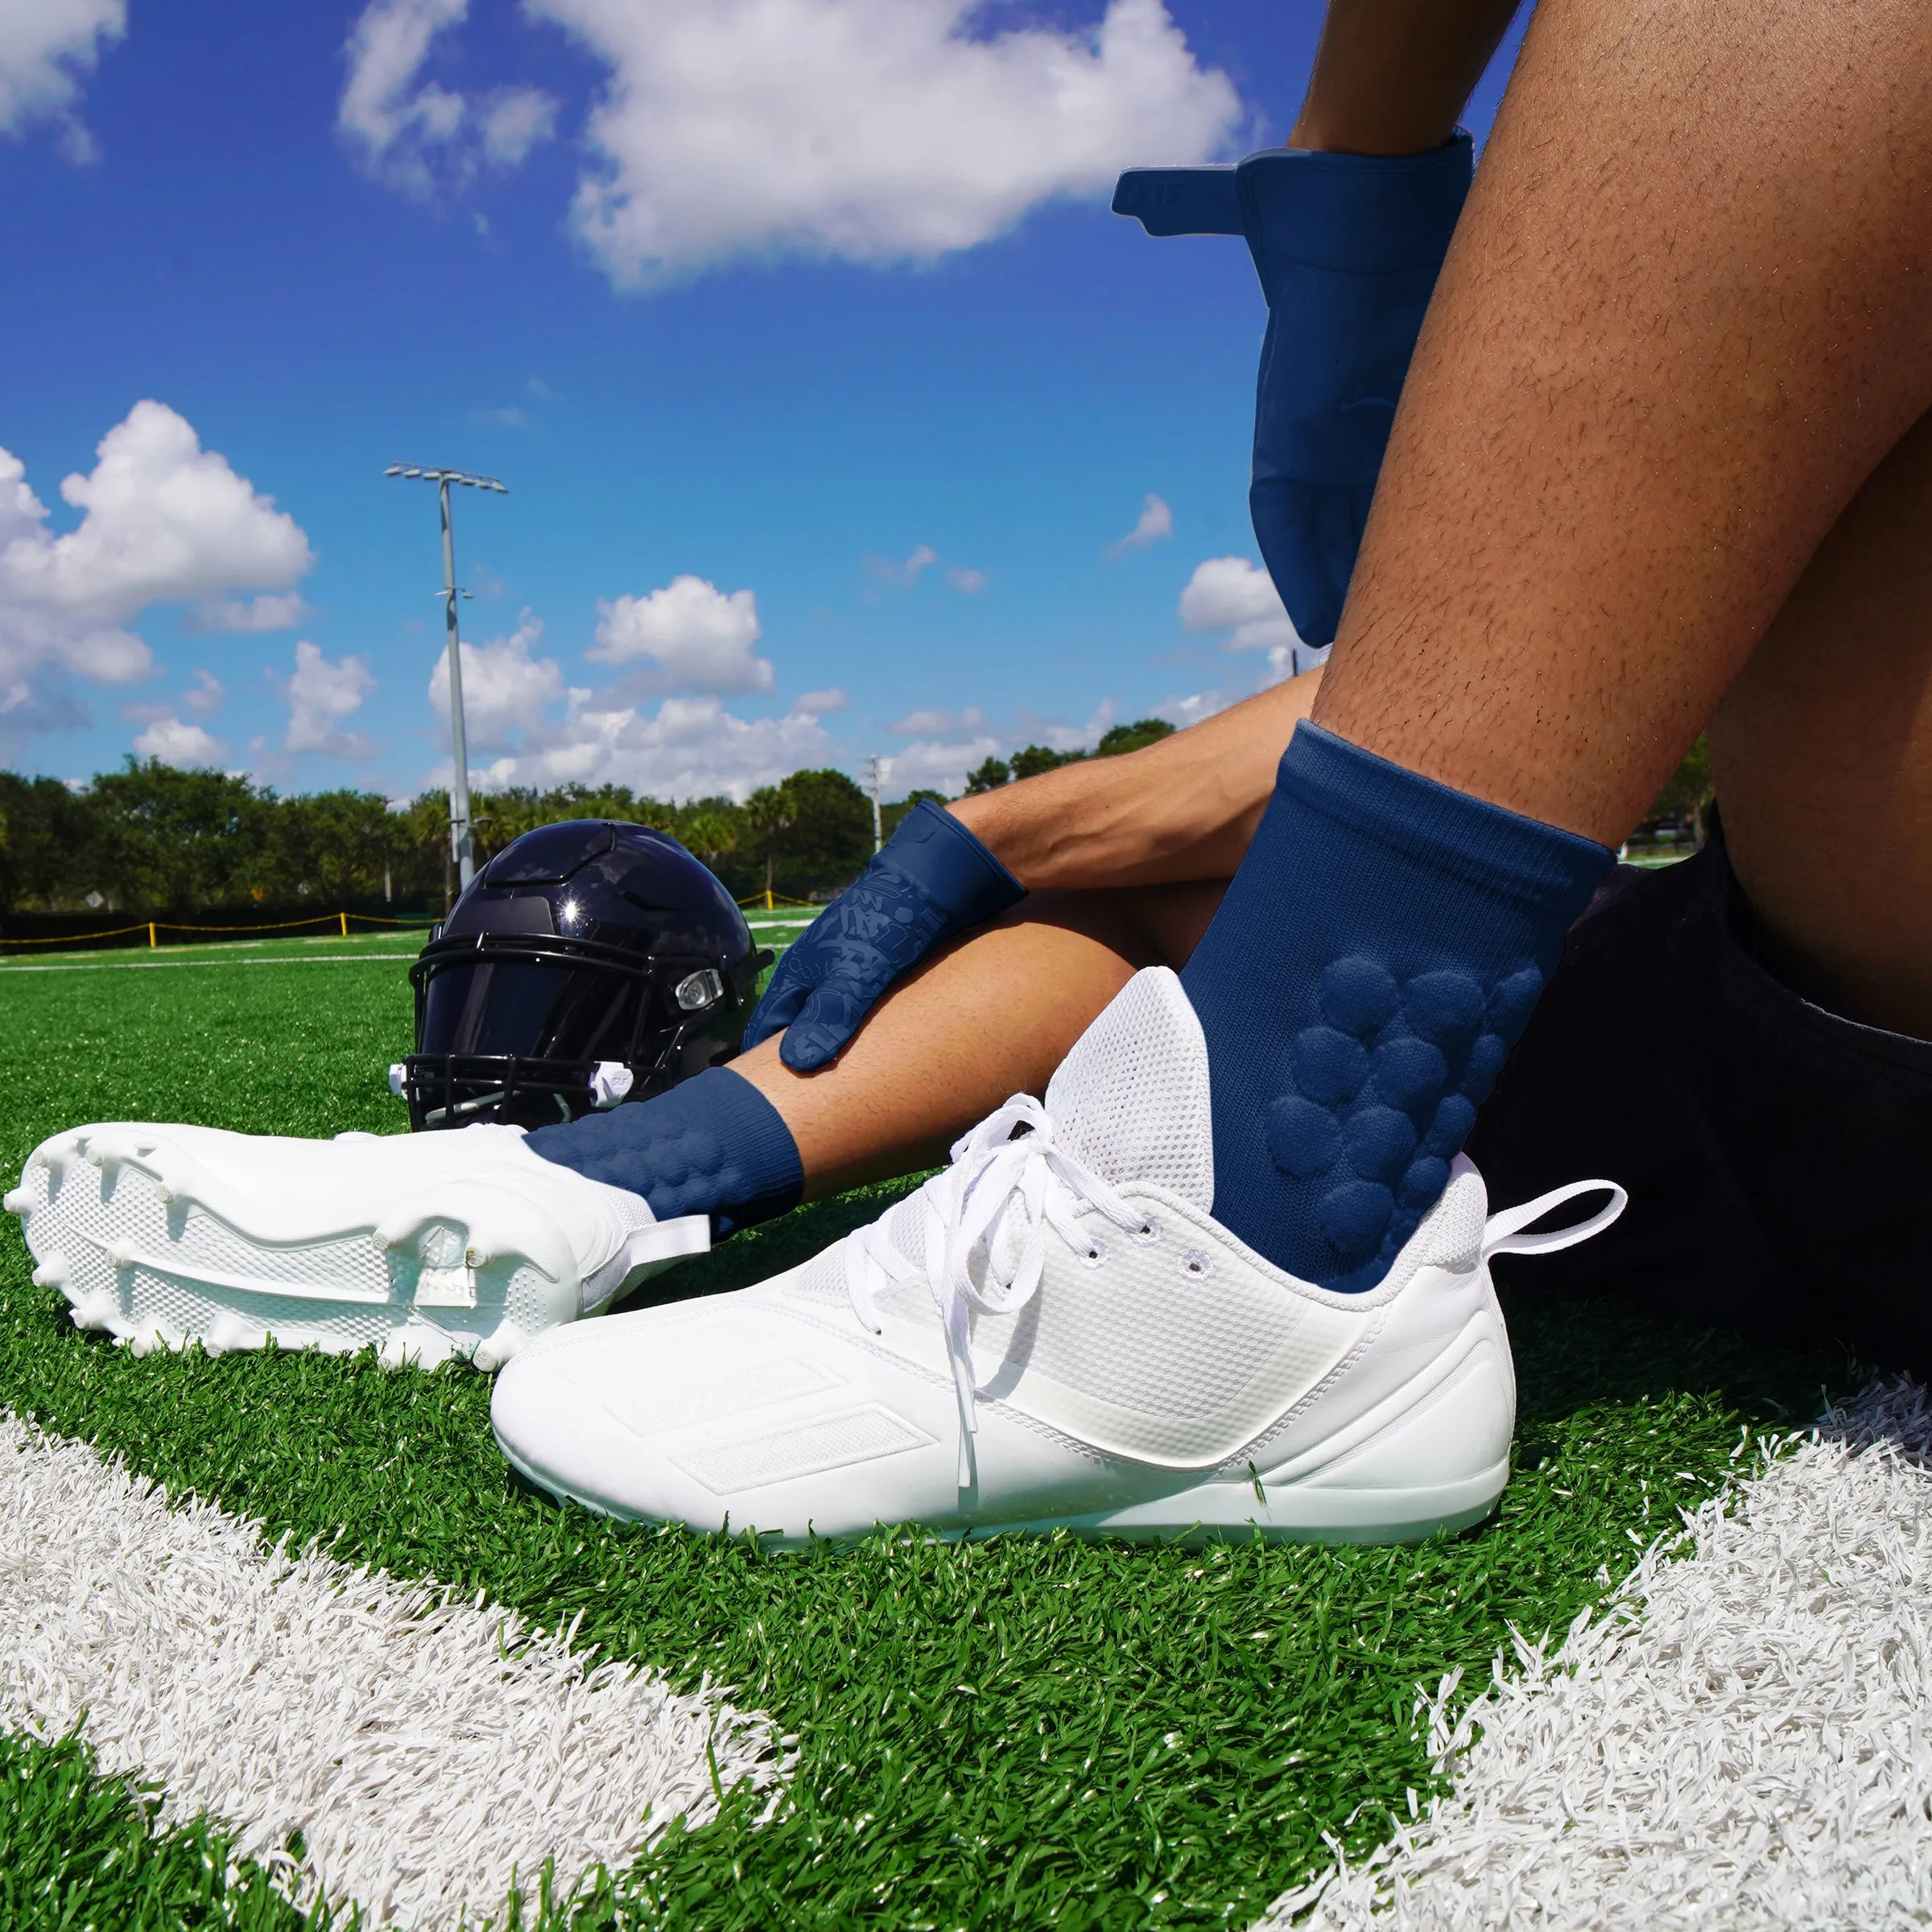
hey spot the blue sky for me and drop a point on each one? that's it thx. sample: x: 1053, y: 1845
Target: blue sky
x: 826, y: 390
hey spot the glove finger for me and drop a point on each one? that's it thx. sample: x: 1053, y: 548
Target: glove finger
x: 822, y: 1029
x: 778, y: 1008
x: 1309, y: 555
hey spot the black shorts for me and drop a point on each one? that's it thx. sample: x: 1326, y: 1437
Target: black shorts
x: 1779, y: 1158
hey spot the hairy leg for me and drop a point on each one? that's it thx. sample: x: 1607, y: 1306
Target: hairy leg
x: 1685, y: 316
x: 1821, y: 754
x: 992, y: 1016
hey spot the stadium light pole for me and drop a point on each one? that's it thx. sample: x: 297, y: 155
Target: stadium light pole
x: 461, y: 844
x: 878, y: 827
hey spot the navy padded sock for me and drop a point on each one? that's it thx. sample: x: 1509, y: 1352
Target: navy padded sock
x: 712, y: 1144
x: 1377, y: 956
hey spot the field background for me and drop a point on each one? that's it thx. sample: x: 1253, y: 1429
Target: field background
x: 1014, y: 1733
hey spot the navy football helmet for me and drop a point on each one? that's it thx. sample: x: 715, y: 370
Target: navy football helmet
x: 588, y: 962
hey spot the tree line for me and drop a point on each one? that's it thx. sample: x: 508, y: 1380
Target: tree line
x: 151, y: 840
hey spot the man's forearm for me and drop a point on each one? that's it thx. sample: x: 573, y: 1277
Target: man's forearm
x: 1184, y: 808
x: 1391, y: 77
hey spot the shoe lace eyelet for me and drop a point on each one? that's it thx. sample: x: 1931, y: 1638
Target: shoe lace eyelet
x: 1093, y: 1254
x: 1146, y: 1234
x: 1196, y: 1265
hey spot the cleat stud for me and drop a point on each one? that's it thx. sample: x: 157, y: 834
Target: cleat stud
x: 18, y: 1201
x: 472, y: 1257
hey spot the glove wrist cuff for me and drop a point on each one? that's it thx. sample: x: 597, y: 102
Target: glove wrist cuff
x: 952, y: 866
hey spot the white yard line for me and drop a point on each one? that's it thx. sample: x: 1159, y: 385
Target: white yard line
x: 319, y: 958
x: 422, y: 1747
x: 1741, y: 1741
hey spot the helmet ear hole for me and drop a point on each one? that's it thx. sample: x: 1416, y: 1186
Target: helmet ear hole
x: 609, y: 965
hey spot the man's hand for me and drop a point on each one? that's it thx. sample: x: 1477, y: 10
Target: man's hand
x: 1348, y: 226
x: 1347, y: 248
x: 933, y: 880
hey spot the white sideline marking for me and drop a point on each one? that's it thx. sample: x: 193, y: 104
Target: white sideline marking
x: 422, y: 1747
x: 1739, y: 1741
x: 319, y: 958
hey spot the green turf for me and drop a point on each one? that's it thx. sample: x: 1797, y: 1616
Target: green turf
x: 1021, y: 1732
x: 79, y: 1851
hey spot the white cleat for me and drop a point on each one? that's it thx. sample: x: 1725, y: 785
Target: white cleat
x: 426, y: 1246
x: 1056, y: 1332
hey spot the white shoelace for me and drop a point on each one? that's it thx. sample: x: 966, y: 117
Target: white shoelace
x: 1009, y: 1183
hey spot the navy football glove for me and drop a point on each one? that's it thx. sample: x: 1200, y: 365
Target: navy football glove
x: 933, y: 879
x: 1347, y: 247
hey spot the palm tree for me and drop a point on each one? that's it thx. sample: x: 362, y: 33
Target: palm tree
x: 769, y: 813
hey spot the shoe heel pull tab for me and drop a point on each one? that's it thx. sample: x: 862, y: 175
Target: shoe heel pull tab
x: 1503, y: 1233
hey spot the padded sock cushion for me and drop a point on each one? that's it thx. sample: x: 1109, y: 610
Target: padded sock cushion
x: 712, y: 1144
x: 1377, y: 955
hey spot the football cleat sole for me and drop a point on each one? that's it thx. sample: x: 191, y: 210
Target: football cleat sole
x: 154, y: 1246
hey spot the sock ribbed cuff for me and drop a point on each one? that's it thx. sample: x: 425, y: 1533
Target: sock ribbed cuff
x: 1454, y: 833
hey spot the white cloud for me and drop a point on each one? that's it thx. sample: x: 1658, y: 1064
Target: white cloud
x: 265, y: 613
x: 320, y: 696
x: 908, y: 573
x: 516, y: 120
x: 164, y: 521
x: 387, y: 48
x: 177, y: 743
x: 403, y: 131
x: 819, y: 703
x: 206, y: 696
x: 949, y: 745
x: 1068, y: 738
x: 875, y: 130
x: 45, y: 46
x: 1181, y: 712
x: 691, y: 748
x: 1231, y: 593
x: 505, y: 690
x: 924, y: 723
x: 694, y: 636
x: 935, y: 764
x: 1156, y: 523
x: 882, y: 570
x: 1234, y: 595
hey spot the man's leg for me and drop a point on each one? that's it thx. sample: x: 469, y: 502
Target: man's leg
x: 1686, y: 315
x: 1822, y: 756
x: 1683, y: 319
x: 1746, y: 1039
x: 993, y: 1016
